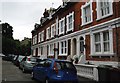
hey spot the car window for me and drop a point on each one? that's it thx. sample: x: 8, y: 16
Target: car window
x: 33, y: 59
x: 20, y: 58
x: 41, y: 63
x: 14, y: 57
x: 64, y: 65
x: 47, y: 63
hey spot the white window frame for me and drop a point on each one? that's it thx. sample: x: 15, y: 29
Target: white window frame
x: 64, y: 47
x: 41, y: 36
x: 57, y: 26
x: 60, y: 21
x: 83, y: 13
x: 42, y: 39
x: 35, y: 40
x: 98, y: 42
x: 70, y: 14
x: 52, y: 30
x: 34, y: 52
x: 102, y: 52
x: 48, y: 34
x: 99, y: 16
x: 51, y: 49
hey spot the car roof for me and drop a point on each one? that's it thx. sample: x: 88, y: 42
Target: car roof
x: 58, y: 60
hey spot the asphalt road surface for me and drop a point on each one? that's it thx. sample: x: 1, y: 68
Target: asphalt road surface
x: 11, y: 73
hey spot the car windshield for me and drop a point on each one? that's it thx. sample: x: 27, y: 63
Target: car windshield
x: 64, y: 65
x: 33, y: 59
x: 20, y: 58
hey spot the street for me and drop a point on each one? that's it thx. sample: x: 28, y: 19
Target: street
x: 12, y: 74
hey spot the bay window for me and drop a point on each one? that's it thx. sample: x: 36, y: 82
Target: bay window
x: 102, y: 42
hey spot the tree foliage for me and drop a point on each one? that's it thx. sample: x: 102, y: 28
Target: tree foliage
x: 12, y: 46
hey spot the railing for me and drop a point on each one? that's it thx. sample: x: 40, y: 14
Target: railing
x: 87, y: 71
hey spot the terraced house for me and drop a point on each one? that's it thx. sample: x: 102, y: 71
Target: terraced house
x: 87, y: 31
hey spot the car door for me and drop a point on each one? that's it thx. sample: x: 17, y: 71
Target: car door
x: 66, y: 70
x: 44, y: 70
x: 39, y: 70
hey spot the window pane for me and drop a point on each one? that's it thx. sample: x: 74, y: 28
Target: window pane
x: 87, y: 13
x: 65, y: 47
x: 106, y: 36
x: 106, y: 47
x: 97, y: 47
x: 82, y: 45
x: 53, y: 31
x: 97, y: 42
x: 104, y: 7
x: 70, y: 22
x: 61, y: 47
x: 97, y: 37
x: 62, y: 26
x: 106, y: 41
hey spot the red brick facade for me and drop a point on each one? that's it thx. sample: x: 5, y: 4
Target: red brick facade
x: 75, y: 7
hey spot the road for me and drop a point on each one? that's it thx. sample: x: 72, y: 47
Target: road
x: 12, y: 74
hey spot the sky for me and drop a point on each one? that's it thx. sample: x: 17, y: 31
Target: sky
x: 23, y: 14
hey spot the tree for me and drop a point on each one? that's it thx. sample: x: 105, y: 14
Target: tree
x: 12, y: 46
x: 7, y: 39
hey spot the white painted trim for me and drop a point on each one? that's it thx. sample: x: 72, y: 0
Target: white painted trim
x: 35, y: 40
x: 83, y: 17
x: 52, y: 30
x: 47, y: 34
x: 84, y: 31
x: 51, y: 54
x: 111, y: 63
x: 62, y: 19
x: 64, y: 54
x: 70, y: 14
x: 93, y: 53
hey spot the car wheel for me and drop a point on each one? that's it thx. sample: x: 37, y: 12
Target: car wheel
x: 32, y: 75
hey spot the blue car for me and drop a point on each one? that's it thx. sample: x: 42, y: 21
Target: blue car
x: 52, y: 70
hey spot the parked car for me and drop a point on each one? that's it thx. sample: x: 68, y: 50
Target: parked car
x: 18, y: 59
x: 2, y: 55
x: 7, y: 58
x: 27, y: 63
x: 52, y: 70
x: 15, y: 58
